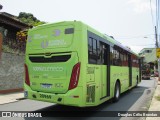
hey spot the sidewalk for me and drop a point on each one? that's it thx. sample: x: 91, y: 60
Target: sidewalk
x: 12, y: 97
x: 155, y: 104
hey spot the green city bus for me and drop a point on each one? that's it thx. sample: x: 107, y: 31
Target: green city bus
x: 71, y: 63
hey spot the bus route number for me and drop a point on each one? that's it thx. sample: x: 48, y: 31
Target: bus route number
x: 45, y: 96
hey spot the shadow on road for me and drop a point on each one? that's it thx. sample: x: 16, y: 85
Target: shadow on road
x: 127, y: 100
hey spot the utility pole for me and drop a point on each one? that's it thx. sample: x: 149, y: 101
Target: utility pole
x: 0, y: 37
x: 156, y: 37
x: 157, y: 46
x: 0, y: 45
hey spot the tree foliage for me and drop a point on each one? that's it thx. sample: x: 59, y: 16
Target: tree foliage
x: 29, y: 18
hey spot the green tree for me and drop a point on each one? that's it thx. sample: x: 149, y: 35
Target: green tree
x: 29, y: 18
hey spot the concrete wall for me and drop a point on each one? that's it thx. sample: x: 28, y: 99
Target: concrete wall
x: 11, y: 71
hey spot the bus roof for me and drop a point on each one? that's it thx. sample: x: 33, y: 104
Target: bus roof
x: 109, y: 38
x: 113, y: 41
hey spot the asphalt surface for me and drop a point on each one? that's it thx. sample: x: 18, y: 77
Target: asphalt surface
x: 136, y: 99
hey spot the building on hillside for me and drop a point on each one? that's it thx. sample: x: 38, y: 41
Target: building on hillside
x: 9, y: 26
x: 148, y: 56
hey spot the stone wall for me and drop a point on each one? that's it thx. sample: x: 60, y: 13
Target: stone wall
x: 11, y: 71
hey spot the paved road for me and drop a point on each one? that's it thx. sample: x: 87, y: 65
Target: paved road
x: 137, y: 99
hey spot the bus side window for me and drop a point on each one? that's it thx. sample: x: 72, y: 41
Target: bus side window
x: 92, y: 51
x: 117, y: 57
x: 135, y: 61
x: 125, y: 63
x: 127, y: 60
x: 105, y: 57
x: 90, y: 45
x: 99, y: 53
x: 94, y: 47
x: 121, y: 58
x: 103, y: 54
x: 111, y: 55
x: 124, y: 59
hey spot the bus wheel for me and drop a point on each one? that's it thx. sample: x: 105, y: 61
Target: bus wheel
x: 116, y: 92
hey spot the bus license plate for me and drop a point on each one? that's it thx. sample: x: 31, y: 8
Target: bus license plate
x: 46, y: 85
x: 45, y: 96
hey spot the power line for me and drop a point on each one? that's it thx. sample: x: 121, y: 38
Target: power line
x: 143, y: 45
x: 158, y: 21
x: 157, y: 14
x: 158, y: 11
x: 152, y: 13
x: 133, y: 37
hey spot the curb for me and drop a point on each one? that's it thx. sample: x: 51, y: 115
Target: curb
x: 10, y: 98
x: 155, y: 104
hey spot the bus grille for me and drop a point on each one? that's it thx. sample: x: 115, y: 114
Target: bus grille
x: 42, y: 59
x: 90, y: 94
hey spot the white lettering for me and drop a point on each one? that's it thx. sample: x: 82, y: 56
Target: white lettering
x: 34, y: 115
x: 38, y: 36
x: 124, y: 115
x: 48, y: 69
x: 57, y: 42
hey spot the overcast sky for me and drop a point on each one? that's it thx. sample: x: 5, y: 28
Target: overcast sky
x: 129, y: 21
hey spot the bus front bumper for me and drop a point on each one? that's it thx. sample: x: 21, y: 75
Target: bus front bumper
x: 72, y: 97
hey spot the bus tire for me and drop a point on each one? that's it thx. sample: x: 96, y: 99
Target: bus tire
x: 116, y: 92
